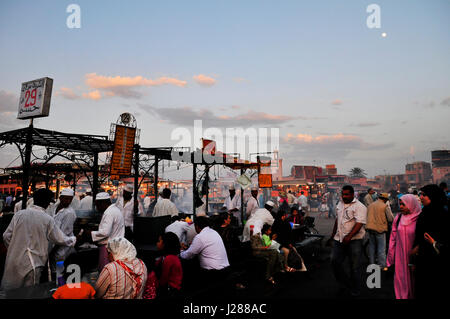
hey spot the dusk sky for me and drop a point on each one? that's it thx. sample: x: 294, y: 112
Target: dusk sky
x: 340, y: 92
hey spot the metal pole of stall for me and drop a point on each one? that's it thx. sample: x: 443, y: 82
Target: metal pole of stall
x: 207, y: 188
x: 26, y: 164
x: 136, y: 179
x: 242, y: 201
x: 194, y: 182
x: 95, y: 180
x: 155, y: 182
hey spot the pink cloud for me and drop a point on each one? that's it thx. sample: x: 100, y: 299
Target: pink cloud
x: 93, y: 95
x: 125, y: 86
x: 204, y: 80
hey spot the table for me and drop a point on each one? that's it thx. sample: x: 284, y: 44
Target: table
x: 41, y: 291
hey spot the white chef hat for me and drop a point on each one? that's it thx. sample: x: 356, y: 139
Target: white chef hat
x: 102, y: 196
x: 129, y: 188
x: 270, y: 203
x: 67, y: 192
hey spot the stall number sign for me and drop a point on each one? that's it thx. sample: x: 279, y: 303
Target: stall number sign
x: 35, y: 98
x: 265, y: 180
x: 122, y: 158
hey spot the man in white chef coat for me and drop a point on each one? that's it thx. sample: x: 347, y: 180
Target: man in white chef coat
x: 111, y: 226
x: 252, y: 203
x: 65, y: 217
x: 233, y: 203
x: 27, y: 239
x: 126, y: 205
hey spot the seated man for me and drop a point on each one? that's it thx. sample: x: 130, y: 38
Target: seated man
x: 178, y: 227
x: 209, y: 247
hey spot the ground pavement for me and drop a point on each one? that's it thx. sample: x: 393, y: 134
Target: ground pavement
x: 319, y: 282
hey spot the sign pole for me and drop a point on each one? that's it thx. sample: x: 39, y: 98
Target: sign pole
x: 26, y: 164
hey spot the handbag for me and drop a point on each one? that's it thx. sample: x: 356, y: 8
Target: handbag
x: 151, y: 286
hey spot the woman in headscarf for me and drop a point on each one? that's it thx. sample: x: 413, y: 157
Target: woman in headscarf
x: 124, y: 277
x: 400, y: 245
x: 431, y: 245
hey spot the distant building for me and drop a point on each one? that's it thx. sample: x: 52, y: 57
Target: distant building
x: 441, y: 166
x: 418, y: 174
x: 308, y: 173
x: 389, y: 182
x: 331, y: 169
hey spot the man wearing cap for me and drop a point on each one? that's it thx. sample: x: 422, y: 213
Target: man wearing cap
x: 111, y: 226
x: 65, y: 217
x: 261, y: 216
x: 252, y: 203
x: 126, y: 205
x: 369, y: 198
x: 27, y: 239
x: 378, y: 215
x: 232, y: 203
x: 86, y: 202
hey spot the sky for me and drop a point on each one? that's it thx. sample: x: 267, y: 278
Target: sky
x: 338, y: 91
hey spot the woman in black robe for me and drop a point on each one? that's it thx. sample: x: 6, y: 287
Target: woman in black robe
x: 431, y: 245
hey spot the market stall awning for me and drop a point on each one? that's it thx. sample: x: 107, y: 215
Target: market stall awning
x: 54, y: 139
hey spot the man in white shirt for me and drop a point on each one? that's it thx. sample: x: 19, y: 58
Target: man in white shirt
x: 126, y: 205
x: 111, y: 226
x: 233, y: 203
x: 208, y: 245
x: 65, y: 217
x: 347, y: 237
x: 86, y: 202
x: 147, y: 201
x: 165, y: 206
x: 27, y: 239
x: 303, y: 203
x: 252, y: 203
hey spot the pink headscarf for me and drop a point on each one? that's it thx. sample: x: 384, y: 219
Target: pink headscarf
x: 414, y: 208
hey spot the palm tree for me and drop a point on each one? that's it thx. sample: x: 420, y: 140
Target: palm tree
x: 357, y: 172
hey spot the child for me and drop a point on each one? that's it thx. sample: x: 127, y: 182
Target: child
x: 168, y: 270
x: 74, y: 289
x: 323, y: 209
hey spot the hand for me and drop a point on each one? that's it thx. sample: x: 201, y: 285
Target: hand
x: 347, y: 239
x: 428, y: 238
x: 274, y: 236
x: 414, y: 251
x: 183, y: 246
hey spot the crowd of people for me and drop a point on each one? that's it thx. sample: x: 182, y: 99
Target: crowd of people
x: 414, y: 242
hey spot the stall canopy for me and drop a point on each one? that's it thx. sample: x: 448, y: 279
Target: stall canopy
x: 67, y: 145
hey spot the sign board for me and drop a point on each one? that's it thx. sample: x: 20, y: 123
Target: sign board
x: 265, y: 180
x: 122, y: 158
x: 208, y: 146
x: 35, y: 98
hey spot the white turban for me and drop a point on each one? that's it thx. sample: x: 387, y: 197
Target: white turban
x: 102, y: 196
x: 129, y: 188
x: 121, y: 249
x: 67, y: 192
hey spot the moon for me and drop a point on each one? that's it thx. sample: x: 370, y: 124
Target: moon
x: 384, y: 34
